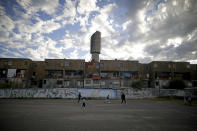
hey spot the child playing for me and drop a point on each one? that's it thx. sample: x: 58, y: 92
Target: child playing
x: 83, y: 103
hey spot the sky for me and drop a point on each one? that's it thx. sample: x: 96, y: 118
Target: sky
x: 143, y: 30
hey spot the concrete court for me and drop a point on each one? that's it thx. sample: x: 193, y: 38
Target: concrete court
x: 67, y: 115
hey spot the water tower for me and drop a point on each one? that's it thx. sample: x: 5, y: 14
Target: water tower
x: 95, y: 48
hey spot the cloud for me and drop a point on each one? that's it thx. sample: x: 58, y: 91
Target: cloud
x: 32, y: 6
x: 161, y: 29
x: 170, y: 25
x: 142, y: 30
x: 69, y: 13
x: 87, y: 6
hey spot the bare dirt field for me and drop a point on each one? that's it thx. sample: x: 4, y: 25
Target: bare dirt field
x: 68, y: 115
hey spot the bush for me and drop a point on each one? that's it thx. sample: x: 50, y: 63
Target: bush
x: 4, y: 85
x: 137, y: 85
x: 11, y: 84
x: 176, y: 84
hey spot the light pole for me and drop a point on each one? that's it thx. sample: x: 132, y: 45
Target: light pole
x: 158, y: 85
x: 147, y: 75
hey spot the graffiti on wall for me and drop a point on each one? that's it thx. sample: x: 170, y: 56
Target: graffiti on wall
x: 98, y: 93
x: 39, y: 93
x: 134, y: 93
x: 56, y: 93
x: 86, y: 92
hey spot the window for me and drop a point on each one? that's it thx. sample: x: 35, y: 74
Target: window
x: 97, y: 66
x: 155, y: 65
x: 66, y: 83
x: 157, y: 83
x: 59, y: 82
x: 188, y: 66
x: 33, y: 82
x: 82, y: 64
x: 68, y: 73
x: 46, y: 63
x: 102, y: 64
x: 115, y: 74
x: 120, y: 65
x: 25, y: 63
x: 45, y: 81
x: 5, y: 63
x: 103, y: 75
x: 9, y: 63
x: 67, y: 63
x: 169, y: 66
x: 55, y: 73
x: 96, y: 82
x: 35, y: 65
x: 88, y: 81
x: 79, y: 83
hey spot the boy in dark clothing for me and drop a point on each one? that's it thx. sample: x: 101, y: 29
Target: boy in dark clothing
x: 83, y: 103
x: 107, y: 99
x: 189, y: 99
x: 123, y: 98
x: 79, y: 97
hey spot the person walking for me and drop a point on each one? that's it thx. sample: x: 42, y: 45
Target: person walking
x: 123, y: 98
x: 107, y: 99
x: 79, y: 97
x: 189, y: 99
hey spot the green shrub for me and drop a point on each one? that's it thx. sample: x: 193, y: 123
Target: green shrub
x: 137, y: 85
x: 176, y: 84
x: 4, y: 85
x: 11, y: 84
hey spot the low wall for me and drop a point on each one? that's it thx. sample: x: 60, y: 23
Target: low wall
x: 134, y: 93
x: 56, y: 93
x: 73, y: 93
x: 87, y: 92
x: 171, y: 92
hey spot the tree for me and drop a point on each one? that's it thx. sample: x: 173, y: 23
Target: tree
x: 137, y: 85
x: 176, y: 84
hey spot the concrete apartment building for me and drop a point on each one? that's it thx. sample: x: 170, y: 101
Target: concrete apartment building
x: 67, y: 73
x: 104, y: 74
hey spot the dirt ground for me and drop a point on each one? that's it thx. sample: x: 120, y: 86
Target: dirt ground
x: 68, y: 115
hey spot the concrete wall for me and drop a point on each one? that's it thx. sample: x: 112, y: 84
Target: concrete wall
x: 134, y: 93
x: 73, y: 93
x: 57, y: 93
x: 88, y: 92
x: 171, y: 92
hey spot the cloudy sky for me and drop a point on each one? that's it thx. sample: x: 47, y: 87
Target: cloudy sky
x: 148, y: 30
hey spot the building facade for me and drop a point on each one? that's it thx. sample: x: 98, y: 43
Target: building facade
x: 65, y: 73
